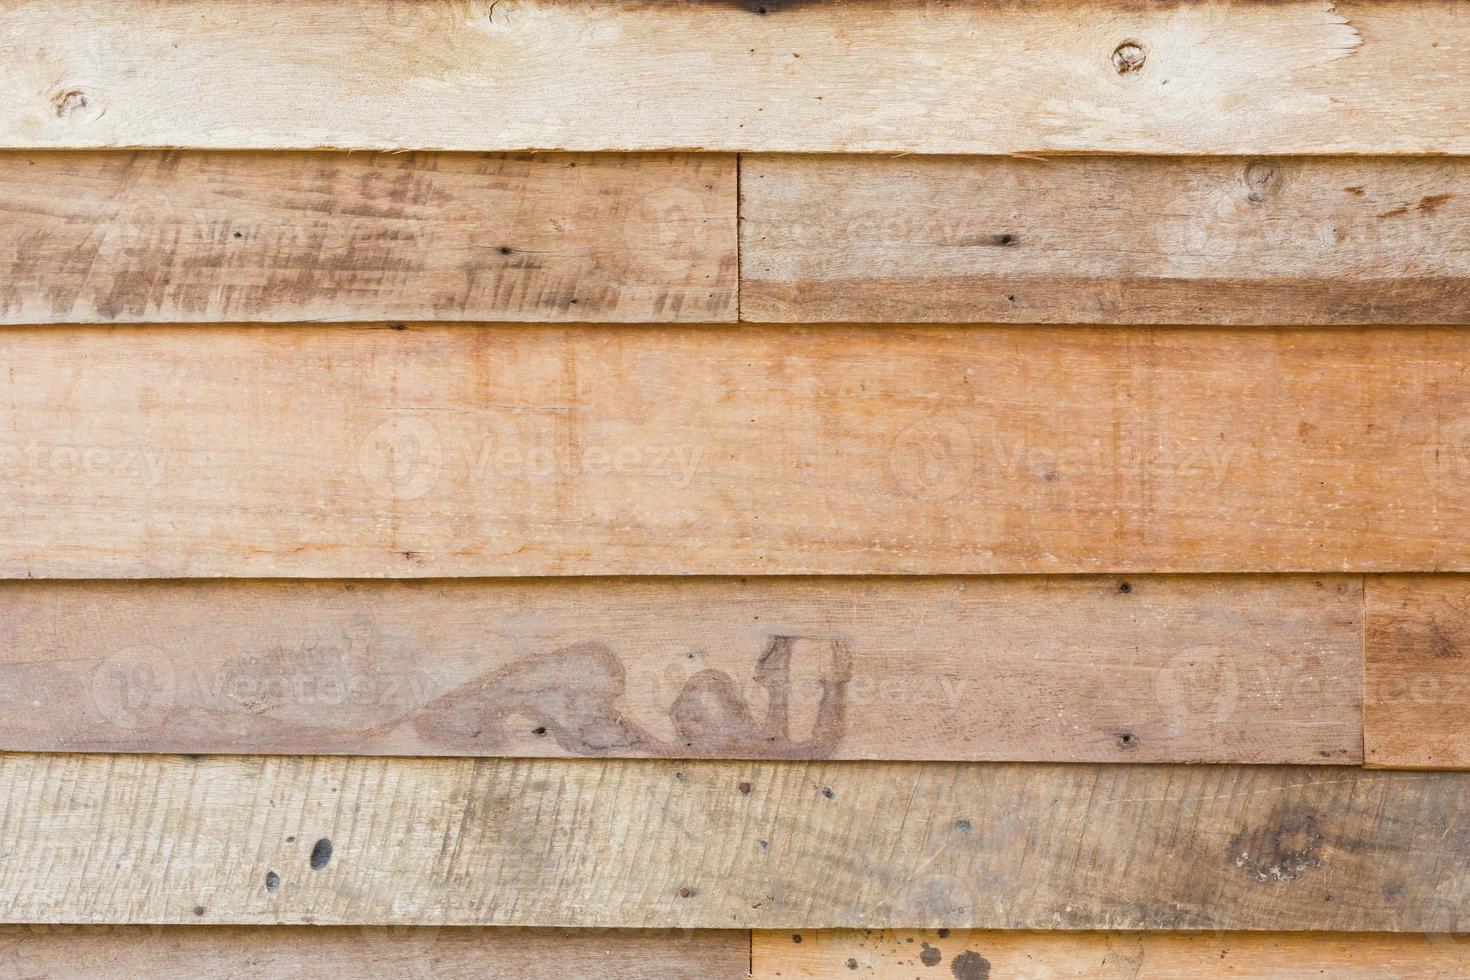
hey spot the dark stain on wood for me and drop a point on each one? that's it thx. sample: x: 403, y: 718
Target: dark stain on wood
x: 574, y: 694
x: 970, y: 965
x: 321, y: 853
x: 1286, y: 848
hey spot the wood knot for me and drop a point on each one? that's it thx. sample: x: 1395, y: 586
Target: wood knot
x: 1128, y: 57
x: 74, y: 104
x: 1261, y: 181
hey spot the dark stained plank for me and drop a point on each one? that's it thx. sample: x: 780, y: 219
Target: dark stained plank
x: 501, y: 450
x: 910, y: 76
x: 1234, y: 240
x: 779, y: 845
x: 368, y: 952
x: 1188, y: 669
x: 200, y: 237
x: 1416, y: 711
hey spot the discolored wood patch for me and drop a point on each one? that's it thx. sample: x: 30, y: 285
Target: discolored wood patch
x: 1154, y: 668
x: 205, y: 237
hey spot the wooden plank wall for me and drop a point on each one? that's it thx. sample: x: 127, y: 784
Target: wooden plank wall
x: 734, y: 488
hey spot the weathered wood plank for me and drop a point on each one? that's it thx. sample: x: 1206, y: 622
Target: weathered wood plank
x: 149, y: 237
x: 1221, y: 76
x: 978, y: 955
x: 335, y: 451
x: 427, y: 952
x: 1416, y: 712
x: 167, y: 839
x: 1192, y: 669
x: 1105, y: 240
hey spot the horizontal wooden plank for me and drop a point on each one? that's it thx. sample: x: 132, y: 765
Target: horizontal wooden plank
x: 1220, y: 76
x: 464, y: 450
x: 218, y: 952
x: 781, y: 845
x: 1189, y: 669
x: 980, y: 955
x: 1235, y: 240
x: 1416, y: 675
x: 149, y: 237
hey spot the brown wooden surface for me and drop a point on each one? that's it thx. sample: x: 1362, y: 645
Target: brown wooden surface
x: 339, y: 451
x: 427, y: 952
x: 989, y: 955
x: 1232, y: 240
x: 782, y: 845
x: 1416, y: 713
x: 130, y: 237
x: 1212, y: 77
x: 1191, y: 669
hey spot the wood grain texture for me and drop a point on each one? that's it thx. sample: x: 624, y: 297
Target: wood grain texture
x: 148, y: 237
x: 1237, y: 240
x: 1416, y: 713
x: 420, y: 952
x: 1186, y: 669
x: 464, y: 450
x: 981, y: 955
x: 782, y: 845
x: 1223, y: 76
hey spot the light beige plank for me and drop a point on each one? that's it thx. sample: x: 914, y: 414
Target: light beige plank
x: 1194, y: 669
x: 1220, y: 76
x: 1232, y: 240
x: 426, y: 952
x: 462, y: 450
x: 149, y: 237
x: 1416, y: 713
x: 781, y: 845
x: 981, y: 955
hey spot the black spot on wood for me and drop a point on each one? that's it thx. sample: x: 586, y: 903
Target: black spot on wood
x: 970, y: 965
x: 852, y: 963
x: 929, y: 956
x: 943, y: 933
x: 827, y: 792
x: 796, y: 937
x: 199, y: 910
x: 1125, y: 587
x: 272, y: 882
x: 964, y: 826
x: 1127, y: 740
x: 321, y: 853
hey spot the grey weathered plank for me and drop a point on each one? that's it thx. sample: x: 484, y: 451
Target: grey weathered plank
x: 130, y: 839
